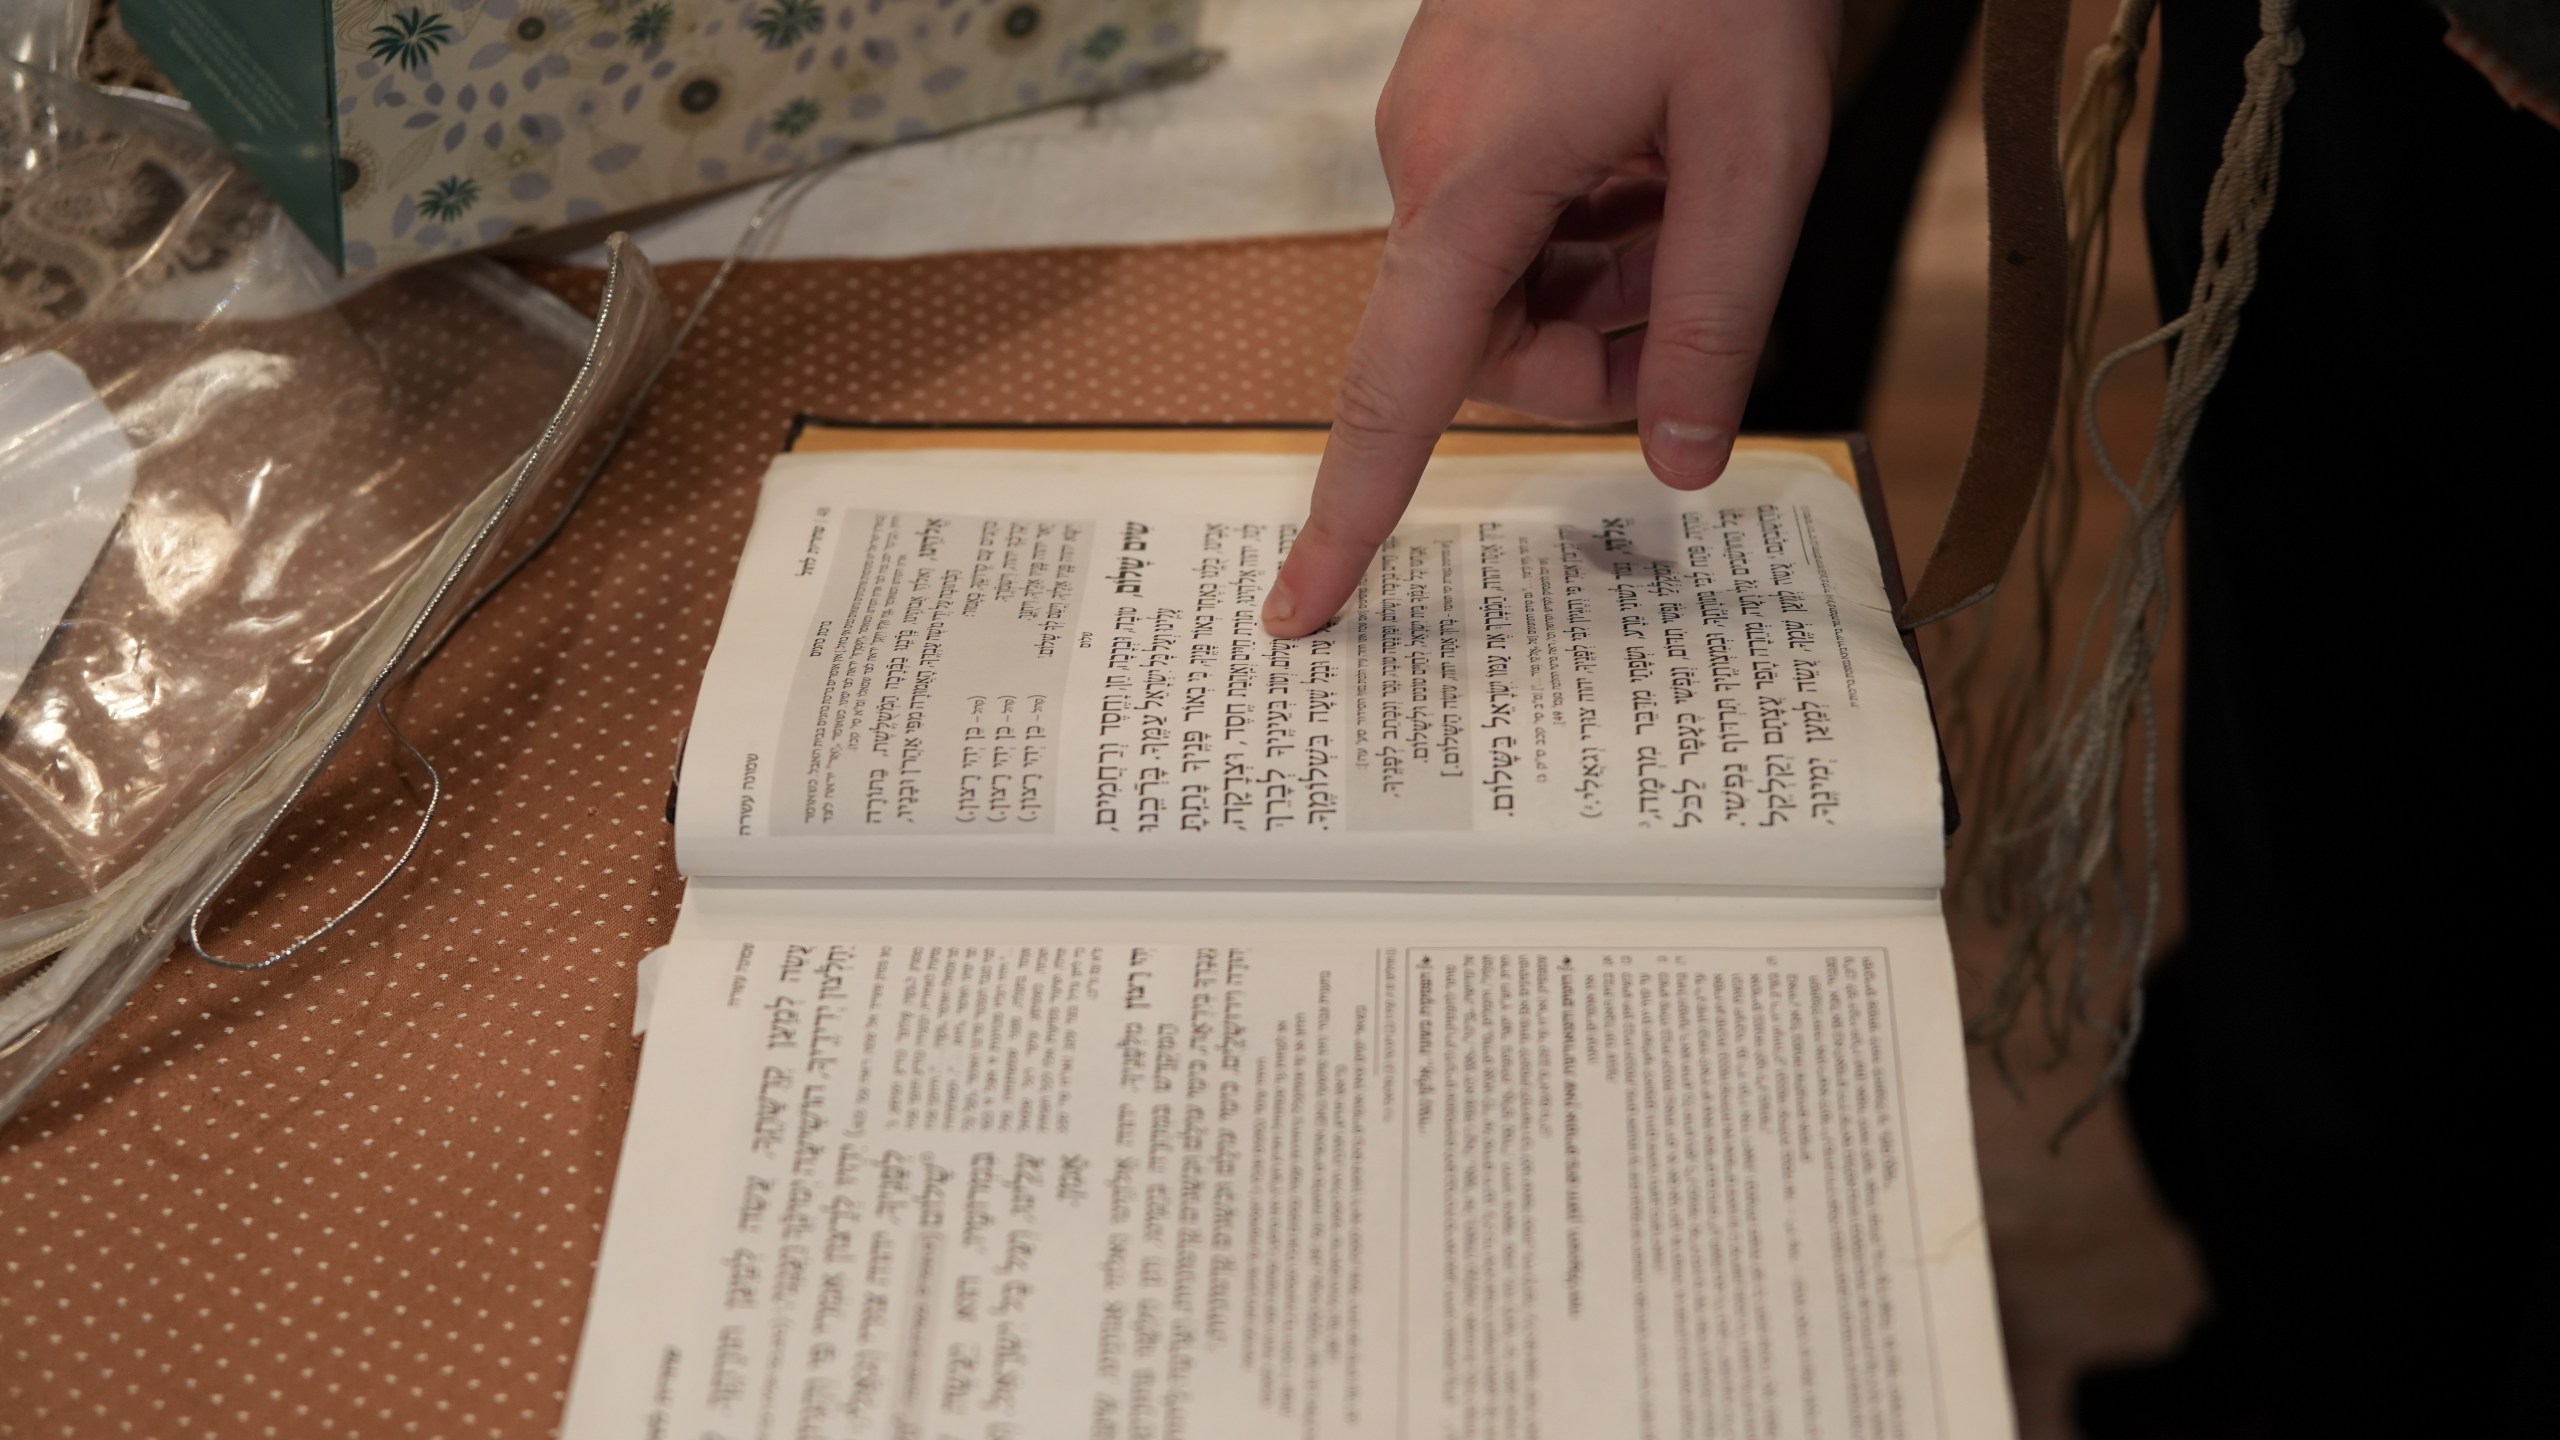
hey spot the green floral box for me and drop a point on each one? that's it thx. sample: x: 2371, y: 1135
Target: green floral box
x: 395, y: 131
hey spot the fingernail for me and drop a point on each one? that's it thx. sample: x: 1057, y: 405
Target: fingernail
x: 1279, y: 607
x: 1685, y: 452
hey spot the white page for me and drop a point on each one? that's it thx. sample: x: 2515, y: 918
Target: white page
x: 1025, y: 664
x: 1263, y: 1177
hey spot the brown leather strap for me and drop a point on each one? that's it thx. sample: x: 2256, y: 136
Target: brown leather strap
x: 2022, y: 374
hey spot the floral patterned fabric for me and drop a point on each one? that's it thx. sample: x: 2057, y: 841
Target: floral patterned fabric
x: 465, y: 122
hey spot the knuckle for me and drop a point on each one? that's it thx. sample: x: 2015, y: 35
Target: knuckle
x: 1420, y: 162
x: 1434, y: 244
x: 1369, y: 413
x: 1776, y: 150
x: 1408, y: 227
x: 1718, y: 336
x: 1386, y: 119
x: 1334, y: 533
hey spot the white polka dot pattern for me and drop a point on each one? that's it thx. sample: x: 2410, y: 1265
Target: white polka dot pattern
x: 361, y: 1194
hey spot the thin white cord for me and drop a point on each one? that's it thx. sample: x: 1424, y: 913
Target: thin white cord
x: 377, y: 697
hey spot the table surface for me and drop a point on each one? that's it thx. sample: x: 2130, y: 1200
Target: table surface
x: 363, y: 1193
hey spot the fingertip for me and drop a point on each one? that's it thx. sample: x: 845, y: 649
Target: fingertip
x: 1280, y: 610
x: 1288, y: 612
x: 1686, y: 456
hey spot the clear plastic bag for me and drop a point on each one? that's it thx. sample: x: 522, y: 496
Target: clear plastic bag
x: 320, y: 476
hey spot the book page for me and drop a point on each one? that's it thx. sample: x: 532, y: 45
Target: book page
x: 1050, y: 664
x: 1263, y: 1179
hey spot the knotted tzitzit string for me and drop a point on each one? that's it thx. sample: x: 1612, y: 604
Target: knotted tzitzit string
x: 1991, y: 739
x: 2054, y: 848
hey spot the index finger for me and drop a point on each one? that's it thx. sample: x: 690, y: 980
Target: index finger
x: 1425, y: 327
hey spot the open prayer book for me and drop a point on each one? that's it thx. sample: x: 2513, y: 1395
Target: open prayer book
x: 1522, y: 1008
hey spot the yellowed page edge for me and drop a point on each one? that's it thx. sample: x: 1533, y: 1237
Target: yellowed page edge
x: 822, y: 438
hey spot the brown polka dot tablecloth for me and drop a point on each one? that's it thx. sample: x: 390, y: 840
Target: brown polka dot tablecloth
x: 362, y: 1193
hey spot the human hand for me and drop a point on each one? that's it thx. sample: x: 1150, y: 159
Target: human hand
x: 1524, y: 140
